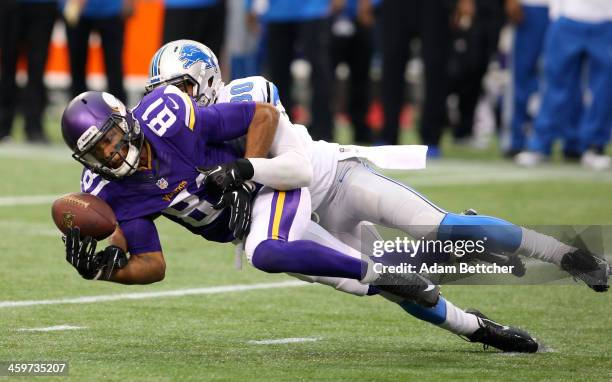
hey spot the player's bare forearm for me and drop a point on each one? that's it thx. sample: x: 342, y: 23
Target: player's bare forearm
x: 144, y: 268
x: 261, y: 131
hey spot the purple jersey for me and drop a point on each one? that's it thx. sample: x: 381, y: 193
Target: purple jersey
x: 181, y: 136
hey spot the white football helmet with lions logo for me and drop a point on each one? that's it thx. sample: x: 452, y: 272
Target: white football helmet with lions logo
x: 183, y: 62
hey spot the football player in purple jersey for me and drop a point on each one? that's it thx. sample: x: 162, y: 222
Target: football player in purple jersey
x: 142, y: 171
x: 280, y: 218
x: 148, y: 162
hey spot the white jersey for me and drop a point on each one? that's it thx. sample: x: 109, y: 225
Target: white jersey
x: 323, y: 155
x: 589, y: 11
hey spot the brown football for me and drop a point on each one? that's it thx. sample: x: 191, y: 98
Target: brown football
x: 88, y: 212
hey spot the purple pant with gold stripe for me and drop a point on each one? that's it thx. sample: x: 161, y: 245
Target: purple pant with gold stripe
x: 276, y: 242
x: 278, y: 215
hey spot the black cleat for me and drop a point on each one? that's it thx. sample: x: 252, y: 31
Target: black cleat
x: 411, y: 286
x: 504, y: 338
x: 585, y: 266
x: 518, y: 265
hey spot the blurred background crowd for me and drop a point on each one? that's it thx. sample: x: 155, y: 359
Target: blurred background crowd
x: 531, y: 79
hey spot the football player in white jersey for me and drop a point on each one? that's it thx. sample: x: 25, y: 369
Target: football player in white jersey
x: 348, y: 197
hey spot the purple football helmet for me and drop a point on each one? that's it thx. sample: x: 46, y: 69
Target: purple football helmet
x: 88, y: 119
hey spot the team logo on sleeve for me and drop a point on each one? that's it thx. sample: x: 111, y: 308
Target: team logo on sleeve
x: 190, y: 54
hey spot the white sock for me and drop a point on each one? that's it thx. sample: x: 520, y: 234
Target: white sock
x: 543, y: 247
x: 458, y: 321
x: 370, y: 275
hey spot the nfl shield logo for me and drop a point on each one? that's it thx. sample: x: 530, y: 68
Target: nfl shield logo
x: 162, y: 183
x: 68, y: 219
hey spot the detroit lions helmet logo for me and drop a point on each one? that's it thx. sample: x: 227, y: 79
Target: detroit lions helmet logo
x: 190, y: 54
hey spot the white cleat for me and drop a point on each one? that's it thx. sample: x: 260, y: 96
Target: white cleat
x: 595, y: 161
x: 529, y: 159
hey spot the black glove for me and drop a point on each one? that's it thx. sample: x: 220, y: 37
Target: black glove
x: 80, y: 253
x: 228, y: 176
x: 239, y: 201
x: 111, y: 258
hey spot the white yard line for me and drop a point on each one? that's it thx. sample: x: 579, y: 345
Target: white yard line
x: 30, y: 200
x: 444, y: 173
x: 56, y: 153
x: 22, y: 227
x: 284, y: 341
x: 422, y: 181
x: 438, y: 172
x: 148, y: 295
x: 52, y: 328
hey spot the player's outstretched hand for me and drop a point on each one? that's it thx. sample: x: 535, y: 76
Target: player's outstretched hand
x: 239, y: 201
x: 80, y: 253
x: 109, y: 259
x: 228, y: 176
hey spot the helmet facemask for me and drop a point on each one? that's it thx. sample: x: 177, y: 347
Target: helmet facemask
x: 180, y: 81
x: 210, y: 91
x: 123, y: 160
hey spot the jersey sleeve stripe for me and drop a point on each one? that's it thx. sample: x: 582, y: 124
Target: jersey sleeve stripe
x: 268, y: 91
x: 191, y: 117
x: 189, y: 110
x: 99, y: 187
x: 149, y: 159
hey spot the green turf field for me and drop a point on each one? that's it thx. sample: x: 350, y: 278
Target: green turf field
x: 206, y: 337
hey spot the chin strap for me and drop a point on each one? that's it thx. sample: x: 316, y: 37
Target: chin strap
x: 130, y: 163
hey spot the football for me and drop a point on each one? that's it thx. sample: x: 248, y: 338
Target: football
x: 91, y: 214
